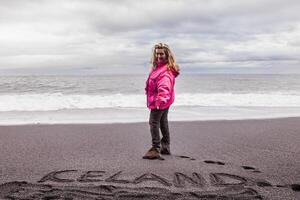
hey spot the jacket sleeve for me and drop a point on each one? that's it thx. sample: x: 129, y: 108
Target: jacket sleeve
x: 164, y: 86
x: 146, y: 86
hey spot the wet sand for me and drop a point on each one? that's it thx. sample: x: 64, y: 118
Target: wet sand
x: 239, y: 159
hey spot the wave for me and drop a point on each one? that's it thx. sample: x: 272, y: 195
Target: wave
x: 59, y: 101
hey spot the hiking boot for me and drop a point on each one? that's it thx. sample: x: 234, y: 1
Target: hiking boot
x: 153, y: 153
x: 165, y: 149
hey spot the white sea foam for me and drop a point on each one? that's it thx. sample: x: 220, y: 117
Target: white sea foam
x: 59, y: 101
x: 127, y: 115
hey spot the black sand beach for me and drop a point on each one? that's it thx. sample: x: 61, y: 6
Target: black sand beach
x: 240, y: 159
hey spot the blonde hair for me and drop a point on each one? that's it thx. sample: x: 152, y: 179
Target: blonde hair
x: 171, y: 64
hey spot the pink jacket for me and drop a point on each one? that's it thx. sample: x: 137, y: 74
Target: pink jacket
x: 160, y: 87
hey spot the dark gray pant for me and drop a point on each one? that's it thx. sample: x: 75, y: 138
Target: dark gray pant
x: 159, y: 120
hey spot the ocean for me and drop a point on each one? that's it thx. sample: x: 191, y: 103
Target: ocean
x: 121, y: 98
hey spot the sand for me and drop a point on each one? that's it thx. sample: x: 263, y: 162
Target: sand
x: 238, y: 159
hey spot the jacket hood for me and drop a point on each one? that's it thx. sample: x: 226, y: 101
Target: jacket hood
x: 176, y: 73
x: 160, y: 65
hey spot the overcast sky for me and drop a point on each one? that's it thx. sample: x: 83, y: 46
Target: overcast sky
x: 99, y: 37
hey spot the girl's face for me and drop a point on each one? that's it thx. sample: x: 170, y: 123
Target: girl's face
x: 160, y: 55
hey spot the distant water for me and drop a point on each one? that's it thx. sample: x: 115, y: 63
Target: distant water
x: 116, y: 98
x: 46, y: 93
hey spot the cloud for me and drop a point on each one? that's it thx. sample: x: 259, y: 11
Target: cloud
x: 110, y: 36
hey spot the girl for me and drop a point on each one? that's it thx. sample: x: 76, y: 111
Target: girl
x: 160, y: 96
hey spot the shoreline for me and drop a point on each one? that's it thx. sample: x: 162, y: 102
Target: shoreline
x: 145, y: 122
x: 132, y: 115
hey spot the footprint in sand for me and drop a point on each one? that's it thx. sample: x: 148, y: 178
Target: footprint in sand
x: 295, y: 187
x: 214, y: 162
x: 186, y: 157
x: 263, y: 184
x: 252, y: 169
